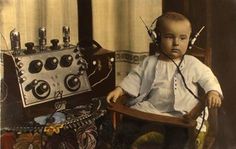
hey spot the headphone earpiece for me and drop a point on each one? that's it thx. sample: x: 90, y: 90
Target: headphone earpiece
x: 152, y: 32
x: 155, y: 31
x: 156, y: 36
x: 193, y: 39
x: 190, y: 43
x: 153, y: 35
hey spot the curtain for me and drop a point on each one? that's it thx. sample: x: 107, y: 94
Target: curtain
x: 26, y: 16
x: 117, y: 26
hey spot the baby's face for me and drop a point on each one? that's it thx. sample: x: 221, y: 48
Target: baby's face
x: 175, y: 38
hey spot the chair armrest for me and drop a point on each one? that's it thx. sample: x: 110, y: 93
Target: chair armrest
x: 178, y: 121
x: 187, y: 120
x: 196, y: 111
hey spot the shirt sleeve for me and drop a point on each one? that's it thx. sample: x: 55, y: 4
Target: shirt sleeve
x: 132, y: 82
x: 206, y: 79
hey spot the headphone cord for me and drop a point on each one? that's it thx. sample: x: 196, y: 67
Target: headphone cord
x: 44, y: 126
x: 186, y: 86
x: 181, y: 74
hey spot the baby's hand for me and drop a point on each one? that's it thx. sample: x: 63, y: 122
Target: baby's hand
x: 213, y: 99
x: 114, y: 95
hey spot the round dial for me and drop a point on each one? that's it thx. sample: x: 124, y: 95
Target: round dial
x: 66, y: 60
x: 72, y: 82
x: 51, y: 63
x: 35, y: 66
x: 41, y: 90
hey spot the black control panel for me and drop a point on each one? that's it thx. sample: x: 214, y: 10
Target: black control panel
x: 42, y: 78
x: 51, y: 75
x: 46, y: 73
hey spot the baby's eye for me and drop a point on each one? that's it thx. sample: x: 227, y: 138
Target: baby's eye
x: 168, y: 37
x: 183, y: 38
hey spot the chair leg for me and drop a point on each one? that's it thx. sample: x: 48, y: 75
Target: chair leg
x: 209, y: 142
x: 114, y: 120
x: 191, y: 144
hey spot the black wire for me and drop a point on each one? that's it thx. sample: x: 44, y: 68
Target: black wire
x: 42, y: 132
x: 185, y: 85
x: 47, y: 121
x: 203, y: 118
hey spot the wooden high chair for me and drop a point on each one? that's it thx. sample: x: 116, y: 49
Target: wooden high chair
x: 119, y: 110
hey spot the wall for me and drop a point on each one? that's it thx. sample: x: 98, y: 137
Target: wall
x: 224, y: 62
x: 219, y: 17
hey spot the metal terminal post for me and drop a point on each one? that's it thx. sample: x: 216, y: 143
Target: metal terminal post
x: 66, y: 36
x: 42, y: 39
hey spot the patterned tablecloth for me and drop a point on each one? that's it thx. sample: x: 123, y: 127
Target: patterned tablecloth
x: 68, y: 129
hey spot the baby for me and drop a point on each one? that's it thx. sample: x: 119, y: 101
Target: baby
x: 167, y: 83
x: 156, y: 82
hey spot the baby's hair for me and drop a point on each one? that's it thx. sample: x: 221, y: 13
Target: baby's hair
x: 173, y: 16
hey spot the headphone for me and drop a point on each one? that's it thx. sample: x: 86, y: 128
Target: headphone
x: 155, y: 34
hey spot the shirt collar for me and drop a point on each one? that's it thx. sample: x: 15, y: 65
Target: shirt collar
x: 181, y: 65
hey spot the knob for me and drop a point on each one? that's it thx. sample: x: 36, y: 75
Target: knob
x: 82, y: 61
x: 29, y: 46
x: 34, y: 82
x: 82, y: 69
x: 31, y: 85
x: 19, y: 65
x: 72, y: 82
x: 21, y: 72
x: 76, y: 50
x: 112, y: 59
x: 51, y: 63
x: 83, y: 65
x: 94, y: 62
x: 22, y: 79
x: 41, y: 90
x: 79, y: 55
x: 35, y: 66
x: 55, y: 45
x: 66, y: 60
x: 17, y: 59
